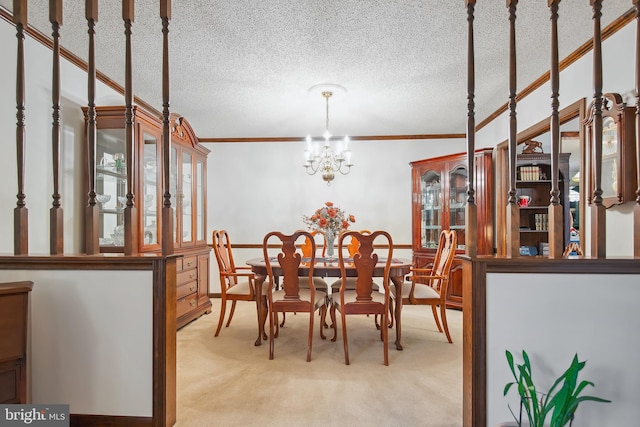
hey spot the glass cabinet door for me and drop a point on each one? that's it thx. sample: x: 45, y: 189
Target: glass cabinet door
x: 186, y: 196
x: 173, y: 189
x: 150, y: 197
x: 457, y: 202
x: 431, y: 209
x: 111, y: 186
x: 200, y: 198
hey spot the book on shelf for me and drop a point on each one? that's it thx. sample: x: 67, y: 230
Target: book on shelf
x: 529, y: 173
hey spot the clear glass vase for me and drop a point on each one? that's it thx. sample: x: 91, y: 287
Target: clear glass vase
x: 330, y: 242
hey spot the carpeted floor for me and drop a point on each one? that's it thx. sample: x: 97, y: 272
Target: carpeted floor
x: 227, y: 381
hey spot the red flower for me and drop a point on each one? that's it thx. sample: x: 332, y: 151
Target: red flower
x: 331, y: 212
x: 329, y: 204
x: 322, y: 222
x: 352, y: 218
x: 345, y: 224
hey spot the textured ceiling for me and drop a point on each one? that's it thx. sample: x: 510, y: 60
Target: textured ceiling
x: 243, y: 68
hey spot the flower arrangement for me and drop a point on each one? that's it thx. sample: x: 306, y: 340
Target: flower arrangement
x: 328, y: 219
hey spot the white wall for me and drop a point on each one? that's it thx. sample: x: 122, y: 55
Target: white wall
x: 554, y: 316
x: 91, y: 336
x: 255, y: 188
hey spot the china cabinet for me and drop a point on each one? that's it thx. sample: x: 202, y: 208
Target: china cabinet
x: 188, y: 165
x: 533, y: 184
x: 439, y: 198
x: 619, y: 181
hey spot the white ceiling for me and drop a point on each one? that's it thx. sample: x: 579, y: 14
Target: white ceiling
x: 242, y: 69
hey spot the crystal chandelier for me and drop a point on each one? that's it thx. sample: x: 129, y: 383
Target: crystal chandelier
x: 323, y: 158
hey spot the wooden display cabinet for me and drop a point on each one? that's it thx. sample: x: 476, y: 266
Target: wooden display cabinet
x: 188, y: 167
x: 619, y: 179
x: 14, y: 320
x: 439, y: 196
x: 533, y: 179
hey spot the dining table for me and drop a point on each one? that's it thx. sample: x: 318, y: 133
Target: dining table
x: 325, y: 267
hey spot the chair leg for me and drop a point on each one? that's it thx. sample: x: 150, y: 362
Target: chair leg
x: 233, y: 310
x: 443, y: 314
x: 262, y: 319
x: 334, y: 325
x: 344, y: 337
x: 272, y: 318
x: 323, y: 317
x: 223, y: 306
x: 435, y: 316
x: 385, y: 339
x: 312, y: 314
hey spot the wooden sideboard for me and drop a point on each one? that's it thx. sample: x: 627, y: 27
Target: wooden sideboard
x: 14, y: 320
x: 439, y: 194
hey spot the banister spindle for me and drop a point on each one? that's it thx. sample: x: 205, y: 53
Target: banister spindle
x: 636, y: 208
x: 556, y: 220
x: 598, y: 213
x: 513, y: 211
x: 20, y: 213
x: 56, y: 219
x: 471, y: 220
x: 130, y: 211
x: 91, y: 213
x: 167, y: 210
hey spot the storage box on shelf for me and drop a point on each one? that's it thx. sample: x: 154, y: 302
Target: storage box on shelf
x: 439, y: 198
x: 187, y: 170
x: 533, y: 180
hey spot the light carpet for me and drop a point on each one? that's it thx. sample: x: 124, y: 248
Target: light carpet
x: 227, y: 381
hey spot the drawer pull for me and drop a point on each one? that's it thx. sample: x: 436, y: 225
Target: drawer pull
x: 192, y: 288
x: 189, y: 263
x: 192, y: 275
x: 192, y: 302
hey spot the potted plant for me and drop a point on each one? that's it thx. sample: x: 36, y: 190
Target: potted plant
x: 561, y: 401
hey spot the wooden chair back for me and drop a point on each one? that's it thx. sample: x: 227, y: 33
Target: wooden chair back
x: 289, y: 261
x: 354, y: 244
x: 365, y: 260
x: 224, y: 257
x: 444, y: 258
x: 306, y: 246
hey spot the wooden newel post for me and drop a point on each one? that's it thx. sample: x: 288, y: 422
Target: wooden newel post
x: 92, y: 222
x: 556, y: 217
x: 471, y: 220
x: 513, y: 210
x: 167, y: 210
x: 598, y: 213
x: 20, y: 213
x: 131, y: 235
x: 56, y: 218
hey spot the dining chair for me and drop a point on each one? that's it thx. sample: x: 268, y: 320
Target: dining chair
x: 363, y: 299
x: 236, y: 283
x: 307, y: 249
x: 428, y: 286
x: 292, y: 297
